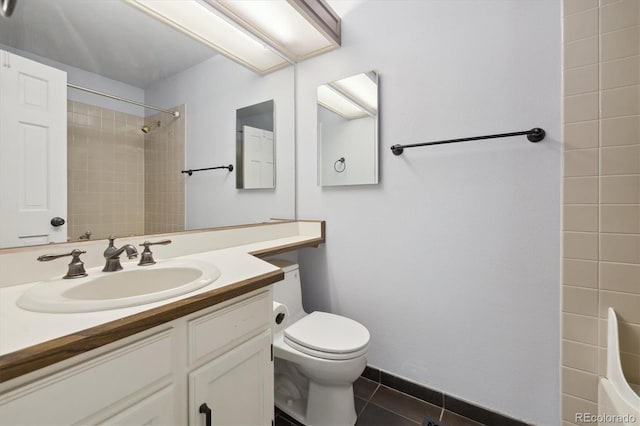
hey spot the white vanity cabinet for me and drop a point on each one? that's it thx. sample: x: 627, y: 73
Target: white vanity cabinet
x: 233, y: 381
x: 94, y: 390
x: 156, y: 409
x: 235, y: 388
x: 220, y: 356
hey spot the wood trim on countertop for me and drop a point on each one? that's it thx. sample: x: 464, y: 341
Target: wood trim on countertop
x: 293, y: 246
x: 287, y: 247
x: 47, y: 353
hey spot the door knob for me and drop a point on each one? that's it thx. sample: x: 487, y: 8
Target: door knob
x: 7, y: 7
x: 57, y: 221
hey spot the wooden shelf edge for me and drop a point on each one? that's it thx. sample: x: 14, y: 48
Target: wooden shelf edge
x: 287, y: 247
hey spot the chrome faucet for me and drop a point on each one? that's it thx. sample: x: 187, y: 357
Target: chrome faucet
x: 112, y: 255
x: 76, y: 267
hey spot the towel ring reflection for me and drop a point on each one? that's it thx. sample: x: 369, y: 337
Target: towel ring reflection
x: 339, y: 168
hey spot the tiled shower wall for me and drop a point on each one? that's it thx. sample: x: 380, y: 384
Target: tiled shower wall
x: 601, y: 217
x: 105, y: 174
x: 164, y: 151
x: 120, y: 181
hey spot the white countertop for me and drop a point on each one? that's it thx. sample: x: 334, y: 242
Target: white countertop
x: 20, y: 328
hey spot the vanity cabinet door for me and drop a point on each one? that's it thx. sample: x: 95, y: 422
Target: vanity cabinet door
x: 237, y: 387
x: 91, y: 391
x: 157, y: 409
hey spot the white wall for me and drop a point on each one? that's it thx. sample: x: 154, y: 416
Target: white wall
x: 452, y: 261
x: 94, y: 81
x: 212, y: 92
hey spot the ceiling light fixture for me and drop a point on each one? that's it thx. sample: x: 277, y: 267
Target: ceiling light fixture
x: 261, y: 35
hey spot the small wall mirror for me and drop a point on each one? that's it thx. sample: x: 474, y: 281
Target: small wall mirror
x: 255, y: 146
x: 348, y: 131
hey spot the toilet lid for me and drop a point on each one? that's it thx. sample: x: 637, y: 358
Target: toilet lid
x: 323, y: 334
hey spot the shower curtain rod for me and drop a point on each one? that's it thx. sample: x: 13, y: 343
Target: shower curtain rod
x: 118, y: 98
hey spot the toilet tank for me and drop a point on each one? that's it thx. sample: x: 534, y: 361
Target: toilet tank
x: 289, y: 291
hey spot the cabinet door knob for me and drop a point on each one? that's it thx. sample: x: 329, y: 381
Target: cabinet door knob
x: 204, y: 409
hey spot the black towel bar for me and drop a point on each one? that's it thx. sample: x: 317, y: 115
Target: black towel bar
x: 190, y: 171
x: 534, y: 135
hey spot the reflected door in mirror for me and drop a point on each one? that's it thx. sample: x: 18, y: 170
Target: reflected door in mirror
x: 33, y: 146
x: 258, y: 158
x: 255, y: 146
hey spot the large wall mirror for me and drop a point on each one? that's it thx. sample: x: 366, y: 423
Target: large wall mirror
x: 124, y: 162
x: 348, y: 131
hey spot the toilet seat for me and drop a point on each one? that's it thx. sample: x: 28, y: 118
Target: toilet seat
x: 328, y: 336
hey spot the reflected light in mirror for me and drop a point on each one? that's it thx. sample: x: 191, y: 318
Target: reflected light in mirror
x: 362, y: 88
x: 340, y: 104
x: 205, y: 25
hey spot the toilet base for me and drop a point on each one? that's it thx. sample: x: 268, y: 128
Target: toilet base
x: 310, y: 403
x: 323, y: 407
x: 330, y: 406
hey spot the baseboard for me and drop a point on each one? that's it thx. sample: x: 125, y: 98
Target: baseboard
x: 448, y: 402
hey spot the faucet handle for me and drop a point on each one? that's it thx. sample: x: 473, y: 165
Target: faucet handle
x: 146, y: 258
x: 146, y: 244
x: 76, y: 266
x: 85, y: 236
x: 48, y: 257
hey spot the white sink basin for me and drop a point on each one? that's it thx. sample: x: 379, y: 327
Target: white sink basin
x: 132, y: 286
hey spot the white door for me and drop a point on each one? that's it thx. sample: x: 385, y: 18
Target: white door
x: 258, y: 167
x: 236, y: 388
x: 33, y: 152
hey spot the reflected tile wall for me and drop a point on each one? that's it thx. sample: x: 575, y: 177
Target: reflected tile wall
x: 105, y: 172
x: 601, y: 220
x: 164, y: 151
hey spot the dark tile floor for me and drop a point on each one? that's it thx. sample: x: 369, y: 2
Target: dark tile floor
x: 379, y: 405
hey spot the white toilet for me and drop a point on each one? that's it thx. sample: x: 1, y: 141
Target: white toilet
x: 317, y: 358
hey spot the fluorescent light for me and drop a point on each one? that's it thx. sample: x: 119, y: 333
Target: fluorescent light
x: 336, y: 102
x: 205, y: 25
x: 281, y: 24
x: 263, y: 35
